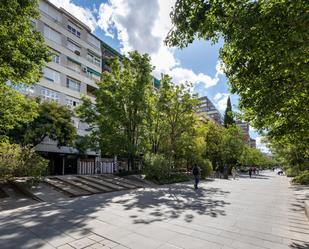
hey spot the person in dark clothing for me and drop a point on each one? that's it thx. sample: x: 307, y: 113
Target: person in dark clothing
x: 250, y: 172
x: 196, y: 171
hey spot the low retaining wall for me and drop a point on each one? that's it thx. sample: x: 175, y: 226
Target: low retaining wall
x: 307, y: 208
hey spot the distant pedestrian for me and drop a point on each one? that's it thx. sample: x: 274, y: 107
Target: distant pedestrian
x: 234, y: 173
x: 196, y: 171
x: 250, y: 172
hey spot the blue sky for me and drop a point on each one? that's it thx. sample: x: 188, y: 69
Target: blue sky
x: 142, y: 25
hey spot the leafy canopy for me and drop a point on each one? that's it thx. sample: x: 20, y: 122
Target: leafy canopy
x: 53, y: 121
x: 265, y: 54
x: 122, y: 102
x: 22, y: 49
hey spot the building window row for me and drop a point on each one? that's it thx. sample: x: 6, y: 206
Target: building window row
x: 52, y: 34
x: 94, y: 59
x: 47, y: 94
x: 71, y: 102
x: 74, y: 29
x: 73, y: 84
x: 51, y: 75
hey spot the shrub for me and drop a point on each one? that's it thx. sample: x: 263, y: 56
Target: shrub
x: 206, y: 167
x: 156, y: 167
x: 302, y: 178
x: 292, y: 172
x: 18, y: 161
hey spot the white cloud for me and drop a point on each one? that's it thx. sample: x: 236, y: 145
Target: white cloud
x: 220, y: 101
x: 85, y: 15
x: 261, y: 146
x: 143, y: 25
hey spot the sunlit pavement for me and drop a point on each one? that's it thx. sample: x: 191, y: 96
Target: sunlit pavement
x: 261, y: 212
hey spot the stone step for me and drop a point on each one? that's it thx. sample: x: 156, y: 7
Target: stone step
x: 71, y: 181
x: 100, y: 187
x: 100, y: 180
x: 65, y: 188
x: 119, y: 181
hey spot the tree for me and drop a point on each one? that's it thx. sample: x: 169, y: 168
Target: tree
x: 22, y: 49
x: 15, y: 109
x: 213, y: 144
x: 122, y: 102
x: 23, y: 53
x: 53, y: 121
x: 174, y: 119
x: 228, y: 116
x: 265, y: 54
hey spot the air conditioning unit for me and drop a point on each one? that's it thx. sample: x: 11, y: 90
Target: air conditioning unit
x: 77, y: 52
x: 84, y: 69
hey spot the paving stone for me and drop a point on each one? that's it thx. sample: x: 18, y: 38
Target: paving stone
x: 96, y: 238
x: 66, y: 246
x: 82, y: 243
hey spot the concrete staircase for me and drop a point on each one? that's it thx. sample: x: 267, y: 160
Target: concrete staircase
x: 81, y: 185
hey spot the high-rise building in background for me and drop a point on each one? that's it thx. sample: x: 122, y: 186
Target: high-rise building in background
x: 210, y: 110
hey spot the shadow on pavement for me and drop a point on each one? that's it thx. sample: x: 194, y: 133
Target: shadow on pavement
x: 299, y: 245
x: 55, y: 223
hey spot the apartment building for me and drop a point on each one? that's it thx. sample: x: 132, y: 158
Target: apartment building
x: 75, y: 68
x: 210, y: 110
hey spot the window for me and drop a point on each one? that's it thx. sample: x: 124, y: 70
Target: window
x: 74, y: 29
x: 94, y: 41
x: 74, y: 65
x: 71, y: 102
x: 47, y: 94
x: 73, y: 84
x: 52, y: 35
x: 94, y: 59
x: 93, y: 74
x: 51, y: 75
x: 55, y: 56
x: 50, y: 11
x: 74, y: 47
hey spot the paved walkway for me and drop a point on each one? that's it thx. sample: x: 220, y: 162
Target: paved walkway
x: 262, y: 212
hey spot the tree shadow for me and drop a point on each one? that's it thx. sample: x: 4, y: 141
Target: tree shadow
x: 299, y: 245
x: 67, y: 220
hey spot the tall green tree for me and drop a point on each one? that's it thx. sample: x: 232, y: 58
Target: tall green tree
x: 265, y: 53
x: 53, y: 121
x: 22, y: 49
x: 15, y: 109
x: 174, y: 118
x: 122, y: 102
x: 228, y: 115
x: 23, y: 53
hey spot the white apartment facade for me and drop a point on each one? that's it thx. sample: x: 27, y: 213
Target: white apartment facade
x: 75, y: 68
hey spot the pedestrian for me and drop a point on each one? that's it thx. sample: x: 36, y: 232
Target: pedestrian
x: 196, y: 171
x: 250, y: 172
x: 234, y: 173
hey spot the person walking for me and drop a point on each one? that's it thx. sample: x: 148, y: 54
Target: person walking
x: 196, y: 171
x: 234, y: 173
x: 250, y: 171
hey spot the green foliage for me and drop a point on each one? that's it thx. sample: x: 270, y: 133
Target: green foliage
x: 122, y: 103
x: 205, y: 166
x: 22, y: 49
x: 20, y: 161
x: 173, y: 126
x: 291, y: 172
x: 15, y: 109
x: 156, y: 167
x: 53, y: 121
x: 265, y: 54
x: 228, y: 116
x: 302, y: 178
